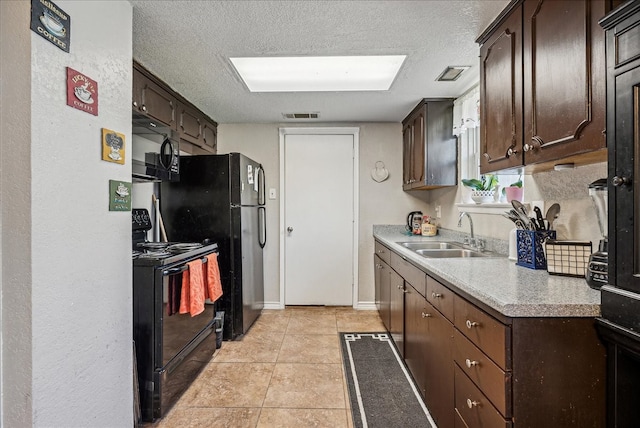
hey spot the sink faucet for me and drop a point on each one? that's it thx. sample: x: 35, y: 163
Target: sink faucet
x: 462, y: 214
x: 472, y: 241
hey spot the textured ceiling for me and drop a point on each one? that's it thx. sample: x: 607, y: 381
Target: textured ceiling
x: 187, y: 44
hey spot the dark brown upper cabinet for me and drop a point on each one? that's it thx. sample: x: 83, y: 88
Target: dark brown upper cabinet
x: 542, y: 85
x: 152, y: 100
x: 155, y: 99
x: 501, y: 95
x: 430, y: 151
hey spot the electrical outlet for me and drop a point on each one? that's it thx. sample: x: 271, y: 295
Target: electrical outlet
x: 438, y: 211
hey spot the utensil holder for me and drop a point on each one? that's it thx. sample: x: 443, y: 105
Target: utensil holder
x: 530, y: 247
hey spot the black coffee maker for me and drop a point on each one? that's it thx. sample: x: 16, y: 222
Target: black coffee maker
x: 597, y: 272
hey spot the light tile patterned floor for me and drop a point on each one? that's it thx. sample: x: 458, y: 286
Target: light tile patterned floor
x: 286, y: 372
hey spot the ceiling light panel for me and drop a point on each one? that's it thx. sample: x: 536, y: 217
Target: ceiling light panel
x: 318, y: 74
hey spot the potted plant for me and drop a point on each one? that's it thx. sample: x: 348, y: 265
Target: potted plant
x: 514, y: 191
x: 483, y: 190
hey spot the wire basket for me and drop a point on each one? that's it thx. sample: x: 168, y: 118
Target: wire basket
x: 567, y: 258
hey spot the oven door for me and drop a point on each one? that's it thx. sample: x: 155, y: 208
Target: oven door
x: 176, y: 330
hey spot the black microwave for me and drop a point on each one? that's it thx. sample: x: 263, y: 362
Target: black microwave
x: 155, y: 154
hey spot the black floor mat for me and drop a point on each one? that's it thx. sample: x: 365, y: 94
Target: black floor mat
x: 381, y: 391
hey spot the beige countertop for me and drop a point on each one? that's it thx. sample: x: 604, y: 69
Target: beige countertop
x: 499, y: 283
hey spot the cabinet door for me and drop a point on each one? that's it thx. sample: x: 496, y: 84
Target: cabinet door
x: 564, y: 78
x: 407, y: 144
x: 441, y: 145
x: 501, y: 96
x: 157, y: 103
x: 383, y: 296
x: 623, y: 135
x: 418, y: 149
x: 190, y: 124
x: 415, y: 334
x: 210, y: 136
x: 439, y: 395
x: 396, y: 315
x: 136, y: 92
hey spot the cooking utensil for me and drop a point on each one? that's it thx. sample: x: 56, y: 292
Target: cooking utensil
x: 524, y: 218
x: 552, y: 214
x: 539, y: 218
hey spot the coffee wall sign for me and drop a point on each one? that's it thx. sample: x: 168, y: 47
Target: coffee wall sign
x: 112, y: 146
x: 51, y: 23
x: 119, y: 195
x: 82, y: 92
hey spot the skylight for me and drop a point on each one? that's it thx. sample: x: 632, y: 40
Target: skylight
x: 318, y: 74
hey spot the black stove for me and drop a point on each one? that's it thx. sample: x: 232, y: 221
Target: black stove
x: 171, y: 347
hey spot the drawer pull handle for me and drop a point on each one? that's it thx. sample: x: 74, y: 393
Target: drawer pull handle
x: 471, y: 324
x: 436, y: 295
x: 425, y: 315
x: 470, y: 363
x: 472, y: 404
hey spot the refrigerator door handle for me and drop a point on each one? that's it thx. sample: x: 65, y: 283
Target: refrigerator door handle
x: 262, y: 228
x: 261, y: 185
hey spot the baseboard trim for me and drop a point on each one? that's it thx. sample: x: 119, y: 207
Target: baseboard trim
x: 273, y: 305
x: 360, y: 306
x: 366, y: 306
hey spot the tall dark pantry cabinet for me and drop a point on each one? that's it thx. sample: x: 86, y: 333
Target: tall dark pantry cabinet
x: 619, y: 325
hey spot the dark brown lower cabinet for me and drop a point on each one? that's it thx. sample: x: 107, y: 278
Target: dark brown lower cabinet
x: 439, y: 370
x: 396, y: 311
x: 416, y: 337
x: 477, y: 368
x: 383, y: 291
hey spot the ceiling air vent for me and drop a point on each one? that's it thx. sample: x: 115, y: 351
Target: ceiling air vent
x: 300, y: 115
x: 452, y: 72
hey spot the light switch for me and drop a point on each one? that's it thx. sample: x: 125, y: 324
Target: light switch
x: 272, y: 193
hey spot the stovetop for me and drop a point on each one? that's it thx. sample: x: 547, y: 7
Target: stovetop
x: 165, y: 253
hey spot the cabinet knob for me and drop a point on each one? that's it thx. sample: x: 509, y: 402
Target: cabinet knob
x: 471, y: 363
x: 135, y: 104
x: 486, y: 156
x: 536, y: 142
x: 143, y: 108
x: 399, y: 287
x: 471, y: 404
x: 425, y: 315
x: 471, y: 324
x: 380, y: 251
x: 511, y: 151
x: 436, y: 295
x: 405, y: 291
x: 620, y: 181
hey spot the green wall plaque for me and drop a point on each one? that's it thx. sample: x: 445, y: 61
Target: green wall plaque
x: 119, y: 195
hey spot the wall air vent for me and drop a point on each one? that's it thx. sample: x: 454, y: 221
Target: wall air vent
x: 300, y: 115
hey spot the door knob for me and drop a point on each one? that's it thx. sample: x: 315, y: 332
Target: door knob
x: 289, y: 229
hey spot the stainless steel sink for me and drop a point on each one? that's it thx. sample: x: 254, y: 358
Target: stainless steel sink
x: 433, y: 245
x: 450, y: 253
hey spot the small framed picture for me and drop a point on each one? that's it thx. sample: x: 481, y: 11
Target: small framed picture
x: 112, y: 146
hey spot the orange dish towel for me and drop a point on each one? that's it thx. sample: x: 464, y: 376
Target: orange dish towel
x: 193, y: 291
x: 214, y: 285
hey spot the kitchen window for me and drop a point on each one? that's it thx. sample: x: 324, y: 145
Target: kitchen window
x: 466, y: 126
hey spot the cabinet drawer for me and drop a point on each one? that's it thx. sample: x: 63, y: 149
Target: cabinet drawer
x: 410, y: 273
x: 383, y: 252
x: 473, y: 407
x: 440, y: 297
x: 485, y: 374
x: 488, y: 334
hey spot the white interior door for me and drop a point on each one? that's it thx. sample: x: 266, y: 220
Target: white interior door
x: 318, y: 219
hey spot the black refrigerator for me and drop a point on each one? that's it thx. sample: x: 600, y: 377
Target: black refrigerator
x: 222, y: 198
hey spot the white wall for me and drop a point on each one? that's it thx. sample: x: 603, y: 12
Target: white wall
x: 380, y: 203
x: 386, y: 203
x: 67, y: 297
x: 569, y: 188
